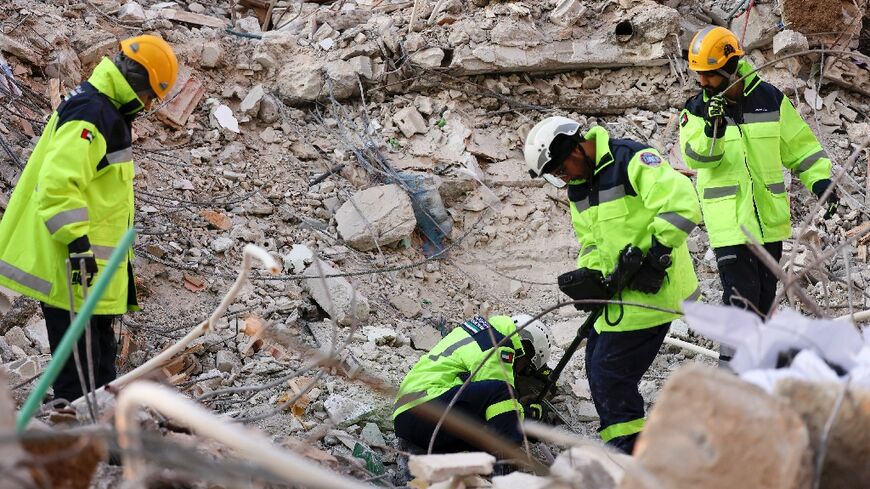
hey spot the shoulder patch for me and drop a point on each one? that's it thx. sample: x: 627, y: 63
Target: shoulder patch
x: 86, y: 134
x: 684, y: 119
x: 650, y: 159
x: 507, y: 356
x: 476, y: 325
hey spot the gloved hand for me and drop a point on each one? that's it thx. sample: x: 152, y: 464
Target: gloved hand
x: 80, y: 249
x: 534, y: 411
x: 833, y: 200
x: 716, y: 108
x: 652, y: 273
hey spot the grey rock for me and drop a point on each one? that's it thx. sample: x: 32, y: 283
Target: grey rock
x: 409, y: 121
x: 381, y: 215
x: 211, y: 54
x: 335, y: 295
x: 221, y: 244
x: 16, y: 337
x: 227, y: 361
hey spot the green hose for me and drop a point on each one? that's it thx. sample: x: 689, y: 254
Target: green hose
x: 63, y: 351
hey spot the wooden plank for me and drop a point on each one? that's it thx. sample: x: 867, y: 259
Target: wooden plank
x: 859, y: 230
x: 192, y: 18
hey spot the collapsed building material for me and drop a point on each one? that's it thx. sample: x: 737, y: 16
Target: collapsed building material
x: 841, y: 438
x: 183, y: 99
x: 377, y: 216
x: 436, y: 468
x: 706, y: 423
x: 335, y: 294
x: 252, y: 445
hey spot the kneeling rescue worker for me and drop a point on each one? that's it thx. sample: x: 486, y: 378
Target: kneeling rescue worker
x: 489, y: 397
x: 621, y: 193
x: 74, y: 202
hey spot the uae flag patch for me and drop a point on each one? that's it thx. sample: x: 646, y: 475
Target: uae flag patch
x: 507, y: 356
x: 88, y: 135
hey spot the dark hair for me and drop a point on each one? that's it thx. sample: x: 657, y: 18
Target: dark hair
x: 135, y: 74
x: 560, y: 149
x: 730, y: 66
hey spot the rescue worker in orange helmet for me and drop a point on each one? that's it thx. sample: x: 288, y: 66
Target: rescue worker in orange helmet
x: 74, y: 201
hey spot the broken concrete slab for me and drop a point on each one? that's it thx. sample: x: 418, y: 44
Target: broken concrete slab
x: 787, y: 42
x: 428, y: 58
x: 251, y: 103
x: 131, y: 12
x: 38, y: 335
x: 848, y: 444
x: 346, y: 411
x: 376, y: 216
x: 409, y: 121
x: 706, y: 422
x: 425, y: 337
x: 591, y: 466
x: 16, y: 337
x: 335, y: 295
x: 301, y: 82
x: 407, y: 306
x: 436, y: 468
x: 760, y: 29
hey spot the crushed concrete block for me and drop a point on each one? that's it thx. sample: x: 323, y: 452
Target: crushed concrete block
x: 250, y: 25
x: 436, y: 468
x: 762, y: 26
x: 590, y: 466
x: 380, y: 335
x: 251, y: 102
x: 706, y: 422
x: 409, y: 121
x: 301, y: 81
x: 425, y: 337
x: 787, y: 42
x: 568, y: 13
x: 346, y: 411
x: 344, y: 78
x: 376, y: 216
x: 221, y: 244
x: 428, y: 58
x: 526, y: 481
x: 407, y: 306
x: 848, y: 446
x: 298, y: 258
x: 679, y: 328
x: 337, y: 296
x: 39, y: 336
x: 131, y: 12
x: 227, y: 361
x: 424, y: 104
x: 362, y: 66
x: 372, y: 435
x: 16, y: 337
x: 264, y: 59
x: 6, y: 353
x: 211, y: 54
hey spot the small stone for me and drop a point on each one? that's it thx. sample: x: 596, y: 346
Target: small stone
x: 410, y: 121
x: 362, y: 65
x: 380, y: 214
x: 227, y: 361
x: 679, y: 327
x: 131, y: 12
x: 428, y: 58
x: 16, y: 337
x: 338, y: 295
x: 269, y: 135
x: 269, y: 110
x: 251, y: 103
x: 406, y: 305
x: 326, y: 44
x: 586, y: 411
x: 221, y: 244
x: 196, y: 8
x: 581, y: 389
x: 211, y: 54
x: 380, y: 335
x: 39, y: 336
x: 346, y: 411
x: 425, y: 337
x: 372, y: 435
x: 424, y: 104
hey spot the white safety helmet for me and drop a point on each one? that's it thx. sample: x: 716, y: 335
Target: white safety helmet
x: 539, y: 335
x: 537, y: 148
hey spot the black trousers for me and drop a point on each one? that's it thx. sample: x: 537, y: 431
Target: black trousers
x: 103, y: 345
x: 615, y: 364
x: 416, y: 428
x: 746, y: 282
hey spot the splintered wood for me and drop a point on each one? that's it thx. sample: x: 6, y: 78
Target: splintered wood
x: 297, y: 385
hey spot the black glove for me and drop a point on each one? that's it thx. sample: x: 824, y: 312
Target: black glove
x: 833, y: 201
x: 584, y: 284
x: 715, y: 111
x: 652, y: 273
x: 80, y: 249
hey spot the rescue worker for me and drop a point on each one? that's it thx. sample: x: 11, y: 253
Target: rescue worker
x: 489, y: 397
x: 621, y: 193
x: 74, y: 201
x: 739, y: 139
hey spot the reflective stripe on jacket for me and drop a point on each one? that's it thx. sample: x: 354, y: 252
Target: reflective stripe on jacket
x: 633, y: 196
x: 456, y: 356
x: 78, y: 181
x: 740, y: 181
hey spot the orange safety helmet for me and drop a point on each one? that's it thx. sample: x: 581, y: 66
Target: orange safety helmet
x: 711, y: 48
x: 158, y: 59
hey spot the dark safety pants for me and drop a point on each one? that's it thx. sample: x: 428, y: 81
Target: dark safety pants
x: 473, y: 402
x: 103, y: 345
x: 615, y: 364
x: 746, y: 282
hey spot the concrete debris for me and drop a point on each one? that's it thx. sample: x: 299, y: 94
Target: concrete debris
x: 372, y: 435
x: 251, y: 102
x: 222, y: 244
x: 526, y: 481
x: 131, y: 12
x: 380, y: 335
x: 227, y: 361
x: 224, y: 117
x: 301, y: 82
x: 590, y: 466
x: 568, y: 13
x: 376, y: 217
x: 38, y: 335
x: 183, y: 99
x: 409, y: 307
x: 17, y: 337
x: 335, y: 295
x: 298, y: 258
x: 760, y: 29
x: 428, y: 58
x: 436, y: 468
x: 410, y: 121
x: 788, y: 42
x: 345, y: 411
x: 706, y: 422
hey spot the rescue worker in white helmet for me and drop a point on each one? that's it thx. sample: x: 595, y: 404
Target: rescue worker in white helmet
x: 74, y: 201
x: 621, y: 193
x: 489, y: 396
x: 739, y: 132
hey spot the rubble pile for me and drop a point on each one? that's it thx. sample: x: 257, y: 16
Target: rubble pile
x: 374, y: 148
